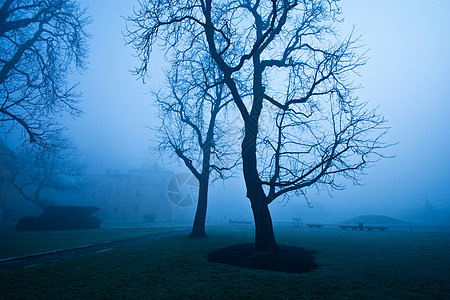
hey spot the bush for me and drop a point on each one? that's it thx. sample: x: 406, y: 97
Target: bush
x: 149, y: 218
x: 27, y: 223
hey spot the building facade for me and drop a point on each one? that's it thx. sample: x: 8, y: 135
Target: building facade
x: 139, y: 195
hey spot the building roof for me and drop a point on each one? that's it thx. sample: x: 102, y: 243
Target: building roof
x: 151, y: 169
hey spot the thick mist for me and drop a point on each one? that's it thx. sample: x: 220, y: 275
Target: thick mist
x: 405, y: 77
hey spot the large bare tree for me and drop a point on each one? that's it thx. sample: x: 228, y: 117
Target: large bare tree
x: 193, y: 118
x: 302, y: 124
x: 41, y: 43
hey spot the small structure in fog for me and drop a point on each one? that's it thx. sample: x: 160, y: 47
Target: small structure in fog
x: 61, y: 218
x: 13, y: 205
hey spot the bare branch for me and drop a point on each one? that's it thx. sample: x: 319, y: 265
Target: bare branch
x: 42, y: 42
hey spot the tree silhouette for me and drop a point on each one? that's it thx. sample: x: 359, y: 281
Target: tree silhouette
x: 189, y: 115
x: 54, y: 167
x: 41, y: 42
x: 302, y: 124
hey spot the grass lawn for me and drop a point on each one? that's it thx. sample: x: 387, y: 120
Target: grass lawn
x: 14, y: 243
x: 352, y: 265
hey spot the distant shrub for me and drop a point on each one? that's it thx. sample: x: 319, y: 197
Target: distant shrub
x: 149, y: 218
x: 27, y: 223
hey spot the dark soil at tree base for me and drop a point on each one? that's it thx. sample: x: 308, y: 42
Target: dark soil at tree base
x: 289, y: 259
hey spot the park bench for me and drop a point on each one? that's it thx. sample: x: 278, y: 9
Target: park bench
x: 314, y: 225
x: 354, y: 227
x: 360, y: 226
x: 240, y: 222
x: 380, y: 228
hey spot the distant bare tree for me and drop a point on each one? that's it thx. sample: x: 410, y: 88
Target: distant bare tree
x: 55, y: 167
x: 190, y: 120
x: 41, y: 42
x: 302, y: 124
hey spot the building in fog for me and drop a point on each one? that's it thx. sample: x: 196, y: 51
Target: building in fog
x: 139, y: 195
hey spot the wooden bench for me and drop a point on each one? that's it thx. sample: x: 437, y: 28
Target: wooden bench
x: 380, y: 228
x: 314, y: 225
x: 361, y: 227
x: 240, y: 222
x: 353, y: 227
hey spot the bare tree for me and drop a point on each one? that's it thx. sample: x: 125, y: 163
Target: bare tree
x: 302, y: 125
x: 189, y: 116
x: 41, y: 42
x: 56, y: 167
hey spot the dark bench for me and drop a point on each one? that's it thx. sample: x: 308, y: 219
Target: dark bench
x: 360, y: 226
x: 354, y: 227
x: 380, y: 228
x: 240, y: 222
x: 314, y: 225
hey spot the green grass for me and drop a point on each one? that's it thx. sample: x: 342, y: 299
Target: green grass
x: 14, y: 244
x: 352, y: 265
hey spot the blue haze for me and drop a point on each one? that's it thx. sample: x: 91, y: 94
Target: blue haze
x: 406, y: 77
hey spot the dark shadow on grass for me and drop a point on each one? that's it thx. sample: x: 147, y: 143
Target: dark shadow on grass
x: 290, y: 259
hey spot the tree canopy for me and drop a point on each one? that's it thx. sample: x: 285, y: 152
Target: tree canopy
x: 54, y: 168
x: 290, y: 74
x: 41, y: 42
x: 193, y: 113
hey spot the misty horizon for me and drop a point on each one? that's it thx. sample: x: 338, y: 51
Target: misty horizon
x: 404, y: 77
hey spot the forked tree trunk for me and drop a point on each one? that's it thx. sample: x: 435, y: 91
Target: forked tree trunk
x: 198, y: 228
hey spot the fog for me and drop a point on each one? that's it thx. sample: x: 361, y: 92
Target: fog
x: 405, y: 77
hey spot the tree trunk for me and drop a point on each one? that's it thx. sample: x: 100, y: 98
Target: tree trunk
x: 37, y: 197
x: 264, y: 236
x: 265, y: 243
x: 198, y: 228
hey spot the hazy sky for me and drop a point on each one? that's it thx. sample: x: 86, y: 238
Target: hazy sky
x: 406, y: 77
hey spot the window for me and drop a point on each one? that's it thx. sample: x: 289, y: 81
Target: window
x: 138, y: 194
x: 136, y: 208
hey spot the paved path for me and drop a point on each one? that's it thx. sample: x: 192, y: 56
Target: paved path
x: 43, y: 258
